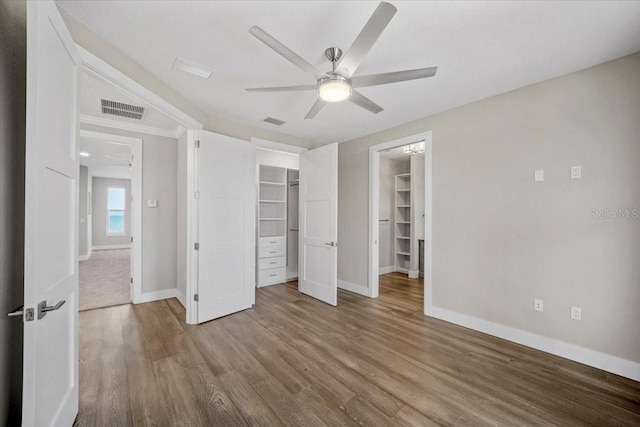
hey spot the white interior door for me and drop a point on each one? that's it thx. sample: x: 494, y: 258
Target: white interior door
x: 226, y: 226
x: 318, y: 225
x: 50, y: 371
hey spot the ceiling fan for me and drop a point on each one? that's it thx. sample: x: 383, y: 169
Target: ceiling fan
x: 339, y: 84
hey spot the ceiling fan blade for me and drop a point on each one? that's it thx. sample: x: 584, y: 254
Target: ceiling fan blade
x: 366, y: 39
x: 362, y: 101
x: 317, y: 106
x: 282, y: 88
x: 394, y: 77
x: 287, y: 53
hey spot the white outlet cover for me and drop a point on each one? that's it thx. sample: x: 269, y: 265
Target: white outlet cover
x: 538, y: 176
x: 152, y: 203
x: 576, y: 172
x: 576, y: 313
x: 538, y: 304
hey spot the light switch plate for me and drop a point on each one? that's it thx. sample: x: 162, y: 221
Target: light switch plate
x: 576, y: 172
x: 152, y: 203
x: 538, y: 175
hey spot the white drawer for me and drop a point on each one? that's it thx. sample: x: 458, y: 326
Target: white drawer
x: 271, y: 242
x: 274, y: 262
x: 272, y: 275
x: 271, y: 251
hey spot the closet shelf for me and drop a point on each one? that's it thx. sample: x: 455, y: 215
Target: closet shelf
x: 272, y: 201
x: 403, y: 206
x: 403, y: 253
x: 403, y: 222
x: 272, y: 219
x: 403, y: 237
x: 272, y: 183
x: 404, y: 189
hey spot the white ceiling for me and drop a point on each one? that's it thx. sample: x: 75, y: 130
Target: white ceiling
x: 93, y: 89
x: 481, y: 48
x: 107, y: 160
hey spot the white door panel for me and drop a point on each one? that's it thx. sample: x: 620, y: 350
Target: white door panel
x: 319, y: 224
x: 226, y: 224
x: 50, y: 380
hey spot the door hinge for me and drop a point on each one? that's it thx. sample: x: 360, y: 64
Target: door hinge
x: 197, y: 143
x: 196, y: 246
x: 196, y: 195
x: 131, y: 280
x: 131, y: 239
x: 196, y: 297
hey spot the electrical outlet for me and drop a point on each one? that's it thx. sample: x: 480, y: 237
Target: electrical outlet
x: 538, y: 175
x: 576, y: 313
x: 538, y: 305
x: 576, y: 172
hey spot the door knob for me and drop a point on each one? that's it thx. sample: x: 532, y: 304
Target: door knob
x: 332, y: 244
x: 43, y: 308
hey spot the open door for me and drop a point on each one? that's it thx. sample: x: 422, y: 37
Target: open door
x: 226, y: 226
x: 318, y: 225
x: 50, y: 371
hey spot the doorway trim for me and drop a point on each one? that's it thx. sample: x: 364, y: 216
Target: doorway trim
x: 136, y: 203
x: 374, y: 214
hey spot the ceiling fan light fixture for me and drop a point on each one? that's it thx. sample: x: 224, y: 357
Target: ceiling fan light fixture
x: 334, y: 89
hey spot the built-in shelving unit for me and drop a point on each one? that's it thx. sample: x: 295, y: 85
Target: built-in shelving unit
x: 403, y: 222
x: 272, y: 225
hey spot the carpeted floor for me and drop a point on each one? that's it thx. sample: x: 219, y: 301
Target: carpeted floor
x: 105, y: 278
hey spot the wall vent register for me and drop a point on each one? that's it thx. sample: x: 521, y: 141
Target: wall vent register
x: 120, y: 109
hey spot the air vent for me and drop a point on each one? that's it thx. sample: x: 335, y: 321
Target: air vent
x: 123, y: 110
x: 274, y: 121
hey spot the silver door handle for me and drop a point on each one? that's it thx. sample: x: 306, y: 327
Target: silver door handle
x: 17, y: 312
x: 43, y: 308
x: 332, y: 244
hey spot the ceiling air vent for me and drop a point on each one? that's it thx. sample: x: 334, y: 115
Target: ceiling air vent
x: 274, y: 121
x: 123, y: 110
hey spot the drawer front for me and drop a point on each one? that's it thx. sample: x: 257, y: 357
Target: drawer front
x: 272, y: 275
x: 275, y: 262
x: 271, y: 242
x: 271, y: 251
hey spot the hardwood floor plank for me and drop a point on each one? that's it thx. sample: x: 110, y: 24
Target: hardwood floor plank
x: 250, y: 404
x: 112, y: 403
x: 286, y: 406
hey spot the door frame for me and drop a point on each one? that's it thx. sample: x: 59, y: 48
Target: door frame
x: 105, y: 72
x: 374, y: 214
x: 136, y: 205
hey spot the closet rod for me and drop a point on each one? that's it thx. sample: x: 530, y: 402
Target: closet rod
x: 384, y: 220
x: 293, y: 229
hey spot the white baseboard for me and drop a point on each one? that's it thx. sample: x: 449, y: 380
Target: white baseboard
x: 83, y: 257
x: 414, y: 274
x: 181, y: 297
x: 387, y: 270
x: 606, y: 362
x: 107, y: 247
x: 157, y: 295
x: 352, y: 287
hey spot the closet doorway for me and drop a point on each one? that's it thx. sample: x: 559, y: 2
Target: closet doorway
x: 400, y: 208
x: 277, y: 210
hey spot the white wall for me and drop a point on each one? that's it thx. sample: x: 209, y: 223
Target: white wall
x: 99, y: 212
x: 277, y: 158
x: 83, y: 204
x: 499, y: 238
x: 181, y: 230
x: 159, y: 225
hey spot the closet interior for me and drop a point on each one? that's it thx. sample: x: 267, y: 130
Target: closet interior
x: 277, y: 217
x: 401, y: 213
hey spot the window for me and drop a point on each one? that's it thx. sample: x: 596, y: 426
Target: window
x: 115, y: 211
